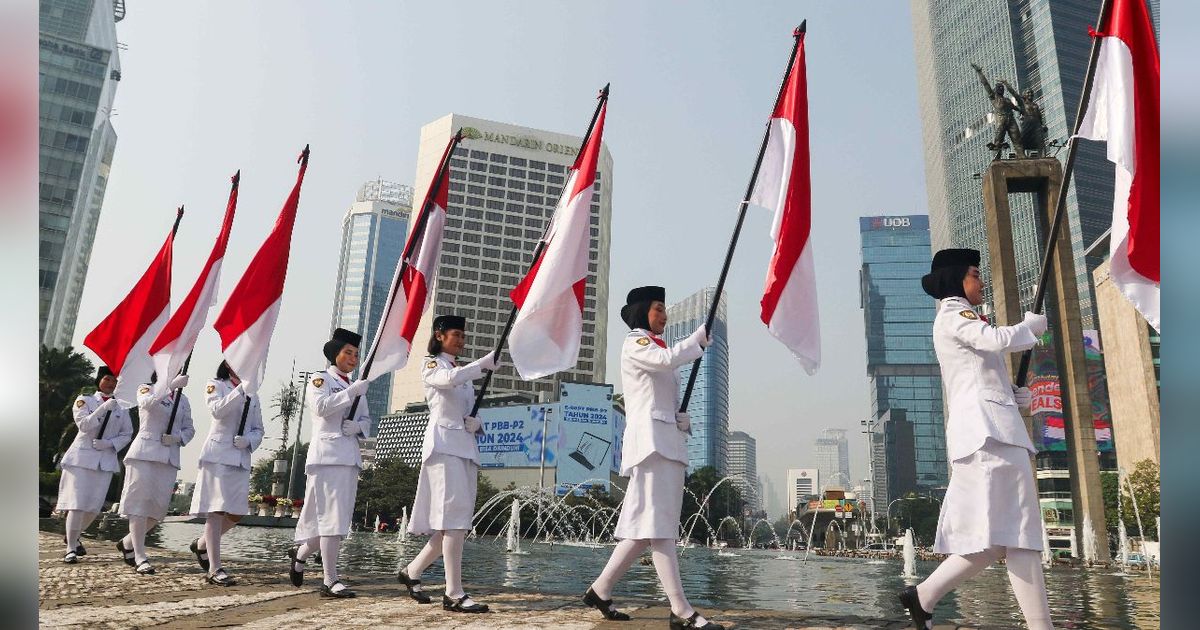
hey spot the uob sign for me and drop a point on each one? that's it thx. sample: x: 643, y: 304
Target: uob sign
x: 891, y: 222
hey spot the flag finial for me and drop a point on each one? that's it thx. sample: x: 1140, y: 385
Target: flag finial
x: 800, y: 30
x: 604, y: 92
x: 303, y: 155
x: 237, y: 177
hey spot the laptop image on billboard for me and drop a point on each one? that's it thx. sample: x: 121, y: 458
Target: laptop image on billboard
x: 591, y: 450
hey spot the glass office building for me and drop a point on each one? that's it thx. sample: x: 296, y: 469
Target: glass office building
x: 78, y: 71
x: 373, y: 234
x: 898, y: 318
x: 709, y: 405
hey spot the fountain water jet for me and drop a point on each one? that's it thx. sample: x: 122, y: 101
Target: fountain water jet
x: 513, y: 541
x: 910, y: 554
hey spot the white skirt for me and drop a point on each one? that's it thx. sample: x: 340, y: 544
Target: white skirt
x: 82, y: 489
x: 992, y: 500
x: 221, y: 488
x: 148, y: 489
x: 328, y: 501
x: 445, y: 494
x: 653, y: 500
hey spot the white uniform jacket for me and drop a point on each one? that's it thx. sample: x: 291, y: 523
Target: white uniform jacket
x: 450, y: 395
x: 329, y: 403
x: 226, y: 401
x: 88, y: 419
x: 650, y: 381
x: 154, y: 413
x: 979, y: 395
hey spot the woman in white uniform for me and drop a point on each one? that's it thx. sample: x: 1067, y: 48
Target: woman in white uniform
x: 654, y: 456
x: 445, y: 500
x: 223, y: 482
x: 991, y: 508
x: 89, y: 463
x: 333, y: 462
x: 152, y: 464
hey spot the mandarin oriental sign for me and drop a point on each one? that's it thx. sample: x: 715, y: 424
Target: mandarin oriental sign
x: 524, y: 142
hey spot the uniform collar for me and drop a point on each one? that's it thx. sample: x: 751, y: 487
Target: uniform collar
x: 101, y: 395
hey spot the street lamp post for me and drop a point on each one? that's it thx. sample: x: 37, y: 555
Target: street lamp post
x: 871, y: 423
x: 302, y: 381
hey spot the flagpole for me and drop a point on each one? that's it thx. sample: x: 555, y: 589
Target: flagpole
x: 798, y: 35
x: 417, y: 234
x: 237, y: 177
x: 1060, y: 207
x: 512, y: 314
x: 107, y: 414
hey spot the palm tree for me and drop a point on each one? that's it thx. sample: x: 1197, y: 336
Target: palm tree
x: 62, y: 375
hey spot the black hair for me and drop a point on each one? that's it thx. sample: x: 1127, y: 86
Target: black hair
x: 637, y: 315
x: 435, y: 344
x: 332, y: 348
x: 153, y: 377
x: 945, y: 282
x: 223, y: 371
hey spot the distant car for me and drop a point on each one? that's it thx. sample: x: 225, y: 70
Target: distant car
x: 1138, y: 558
x: 880, y: 547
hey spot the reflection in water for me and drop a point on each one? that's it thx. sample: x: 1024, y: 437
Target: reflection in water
x: 751, y: 579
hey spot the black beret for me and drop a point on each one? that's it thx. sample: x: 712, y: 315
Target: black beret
x: 646, y: 294
x: 955, y: 258
x: 103, y: 371
x: 442, y: 323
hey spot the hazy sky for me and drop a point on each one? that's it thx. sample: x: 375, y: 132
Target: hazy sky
x: 211, y: 87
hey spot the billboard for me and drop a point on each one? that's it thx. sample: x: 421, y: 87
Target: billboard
x: 585, y: 437
x: 513, y: 436
x: 1047, y: 411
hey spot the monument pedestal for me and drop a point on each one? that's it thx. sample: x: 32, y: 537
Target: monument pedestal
x: 1042, y: 177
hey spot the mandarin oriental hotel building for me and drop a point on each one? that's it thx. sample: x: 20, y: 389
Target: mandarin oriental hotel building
x: 505, y: 182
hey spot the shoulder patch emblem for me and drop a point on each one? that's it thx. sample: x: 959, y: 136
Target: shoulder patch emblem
x: 969, y: 314
x: 431, y: 365
x: 318, y: 382
x: 643, y: 341
x: 79, y: 403
x: 211, y: 388
x: 144, y: 389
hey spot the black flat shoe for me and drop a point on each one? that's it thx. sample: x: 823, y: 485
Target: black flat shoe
x: 604, y: 606
x: 201, y: 554
x: 413, y: 586
x: 343, y: 593
x: 679, y: 623
x: 921, y: 620
x: 220, y: 578
x: 144, y: 568
x: 79, y: 550
x: 126, y: 554
x: 456, y: 605
x: 297, y: 577
x: 70, y: 558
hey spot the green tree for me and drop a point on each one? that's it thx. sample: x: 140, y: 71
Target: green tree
x: 261, y: 473
x: 385, y: 489
x: 62, y: 375
x: 918, y: 512
x: 726, y: 500
x: 1144, y: 480
x: 286, y: 404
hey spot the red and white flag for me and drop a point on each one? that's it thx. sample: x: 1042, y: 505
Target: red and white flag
x: 122, y: 340
x: 1124, y: 111
x: 415, y: 274
x: 173, y: 345
x: 248, y: 318
x: 789, y: 302
x: 546, y: 334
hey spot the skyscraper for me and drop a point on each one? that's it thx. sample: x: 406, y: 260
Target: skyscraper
x: 898, y: 318
x: 709, y: 405
x: 802, y: 483
x: 505, y: 181
x: 1037, y: 45
x: 833, y: 458
x: 742, y: 464
x: 373, y: 234
x: 78, y: 69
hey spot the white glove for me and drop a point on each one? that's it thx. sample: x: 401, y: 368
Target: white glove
x: 350, y: 428
x: 240, y: 441
x: 1023, y: 396
x: 1035, y: 323
x: 472, y: 424
x: 179, y: 382
x: 169, y: 439
x: 108, y: 405
x: 683, y: 421
x: 488, y: 362
x: 702, y: 337
x: 358, y: 388
x: 102, y: 445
